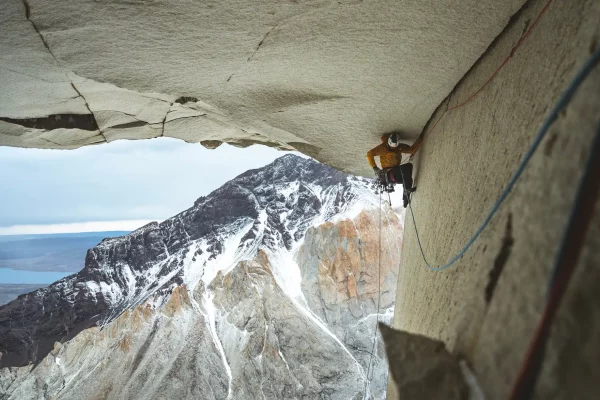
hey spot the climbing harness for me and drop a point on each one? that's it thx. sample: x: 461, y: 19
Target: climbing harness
x: 383, y: 184
x: 572, y: 240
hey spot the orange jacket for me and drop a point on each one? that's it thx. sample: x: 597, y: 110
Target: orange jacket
x: 388, y: 157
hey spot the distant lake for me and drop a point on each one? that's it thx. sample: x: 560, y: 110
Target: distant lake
x: 8, y: 275
x: 44, y: 259
x: 64, y: 253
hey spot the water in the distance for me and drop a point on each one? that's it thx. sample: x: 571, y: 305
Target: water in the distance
x: 14, y: 276
x: 28, y: 262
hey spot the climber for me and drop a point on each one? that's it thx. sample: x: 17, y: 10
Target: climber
x: 390, y: 156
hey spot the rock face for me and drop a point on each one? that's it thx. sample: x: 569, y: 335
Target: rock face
x: 132, y: 358
x: 213, y: 303
x: 488, y: 305
x: 275, y: 347
x: 9, y: 292
x: 342, y: 274
x: 422, y: 368
x: 295, y: 75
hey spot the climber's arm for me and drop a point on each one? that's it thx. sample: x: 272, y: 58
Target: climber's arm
x: 406, y: 149
x: 374, y: 152
x: 415, y: 146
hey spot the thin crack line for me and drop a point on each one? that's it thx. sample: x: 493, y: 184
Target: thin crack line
x: 255, y: 50
x: 124, y: 113
x: 50, y: 141
x: 27, y: 15
x: 191, y: 116
x: 262, y: 41
x: 165, y: 119
x: 88, y: 107
x: 129, y: 115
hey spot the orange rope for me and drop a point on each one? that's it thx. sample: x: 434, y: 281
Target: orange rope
x: 490, y: 79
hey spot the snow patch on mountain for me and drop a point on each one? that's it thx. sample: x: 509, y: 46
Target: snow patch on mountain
x: 207, y: 302
x: 228, y: 269
x: 286, y: 272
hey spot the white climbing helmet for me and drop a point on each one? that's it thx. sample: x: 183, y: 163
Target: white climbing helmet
x: 393, y: 140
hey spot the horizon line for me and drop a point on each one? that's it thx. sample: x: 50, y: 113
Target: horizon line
x: 75, y: 227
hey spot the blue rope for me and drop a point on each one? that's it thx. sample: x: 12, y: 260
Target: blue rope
x: 563, y: 101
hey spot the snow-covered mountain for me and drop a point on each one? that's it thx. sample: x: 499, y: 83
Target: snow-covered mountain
x: 266, y: 288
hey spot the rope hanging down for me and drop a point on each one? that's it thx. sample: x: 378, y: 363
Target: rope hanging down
x: 562, y: 103
x: 367, y: 378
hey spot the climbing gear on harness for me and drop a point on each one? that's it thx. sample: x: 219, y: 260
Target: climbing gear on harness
x: 386, y: 179
x: 382, y: 182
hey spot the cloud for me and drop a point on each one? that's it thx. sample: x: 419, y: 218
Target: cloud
x: 91, y: 226
x: 123, y: 180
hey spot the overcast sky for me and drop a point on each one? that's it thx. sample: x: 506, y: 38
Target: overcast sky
x: 117, y: 186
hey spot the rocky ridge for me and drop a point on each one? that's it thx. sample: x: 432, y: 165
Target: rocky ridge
x: 217, y: 287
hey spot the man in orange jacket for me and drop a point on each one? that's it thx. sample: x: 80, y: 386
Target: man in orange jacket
x: 390, y: 157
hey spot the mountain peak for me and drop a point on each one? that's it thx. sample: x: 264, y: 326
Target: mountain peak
x: 269, y: 209
x: 292, y: 157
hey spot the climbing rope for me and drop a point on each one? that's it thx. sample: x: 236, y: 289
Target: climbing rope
x: 490, y: 79
x: 571, y: 243
x: 565, y: 262
x: 512, y: 52
x: 369, y: 370
x: 572, y: 240
x: 563, y: 101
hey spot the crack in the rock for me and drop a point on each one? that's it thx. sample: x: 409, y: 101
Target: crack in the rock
x: 138, y: 122
x: 356, y: 348
x: 45, y: 43
x: 84, y: 122
x: 89, y: 109
x: 120, y: 112
x: 191, y: 116
x: 500, y: 261
x: 93, y: 122
x: 49, y: 141
x: 165, y: 119
x: 134, y: 124
x: 186, y: 99
x: 262, y: 41
x: 27, y: 15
